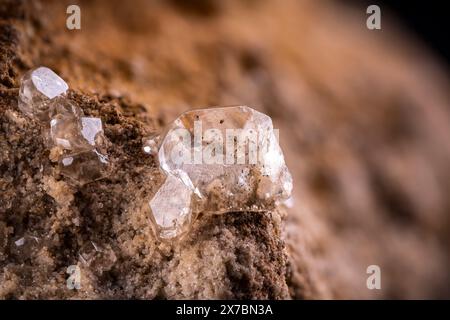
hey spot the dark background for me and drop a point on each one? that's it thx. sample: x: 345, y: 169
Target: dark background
x: 426, y: 19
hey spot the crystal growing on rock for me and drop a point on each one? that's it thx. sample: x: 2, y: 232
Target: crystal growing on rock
x: 82, y: 144
x: 88, y: 252
x: 150, y: 145
x: 71, y: 133
x: 39, y: 88
x: 228, y: 157
x: 77, y: 140
x: 96, y: 257
x: 85, y: 166
x: 25, y: 247
x: 83, y: 159
x: 65, y: 133
x: 26, y: 240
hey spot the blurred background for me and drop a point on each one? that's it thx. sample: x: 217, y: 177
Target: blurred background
x: 425, y: 20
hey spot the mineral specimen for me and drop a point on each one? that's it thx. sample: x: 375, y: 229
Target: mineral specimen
x: 79, y: 140
x: 84, y: 167
x: 38, y: 88
x: 215, y: 161
x: 25, y: 247
x: 65, y: 132
x: 88, y: 251
x: 96, y: 257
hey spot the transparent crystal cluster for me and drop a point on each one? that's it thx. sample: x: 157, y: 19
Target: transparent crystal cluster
x: 215, y: 161
x: 79, y: 140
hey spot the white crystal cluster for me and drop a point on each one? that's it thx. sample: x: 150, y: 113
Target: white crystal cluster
x: 78, y: 141
x: 215, y: 161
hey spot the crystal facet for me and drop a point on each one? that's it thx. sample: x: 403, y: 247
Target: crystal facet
x: 96, y: 257
x: 84, y: 167
x: 38, y: 88
x: 92, y: 130
x: 25, y: 247
x: 83, y: 142
x: 228, y: 157
x: 65, y: 133
x: 88, y: 252
x: 171, y: 213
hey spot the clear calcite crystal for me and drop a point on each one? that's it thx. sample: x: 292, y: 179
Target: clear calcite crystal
x: 77, y: 140
x: 65, y: 133
x: 150, y: 145
x: 39, y: 88
x: 82, y: 144
x: 25, y: 247
x: 71, y: 133
x: 97, y: 257
x: 228, y: 157
x: 84, y: 167
x: 88, y: 251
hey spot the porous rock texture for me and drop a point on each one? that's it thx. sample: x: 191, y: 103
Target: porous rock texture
x: 364, y: 125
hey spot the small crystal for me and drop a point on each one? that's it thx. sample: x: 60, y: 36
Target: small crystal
x: 38, y: 88
x: 84, y: 167
x: 65, y: 133
x: 88, y: 252
x: 150, y: 145
x: 99, y: 259
x: 25, y: 247
x: 228, y: 157
x: 83, y: 143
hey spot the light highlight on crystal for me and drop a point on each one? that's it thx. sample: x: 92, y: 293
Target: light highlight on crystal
x: 77, y: 140
x: 228, y: 157
x: 171, y: 207
x: 38, y: 88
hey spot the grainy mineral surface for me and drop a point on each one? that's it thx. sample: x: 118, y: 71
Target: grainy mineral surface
x: 364, y: 125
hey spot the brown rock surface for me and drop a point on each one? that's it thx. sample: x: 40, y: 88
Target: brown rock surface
x: 364, y: 124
